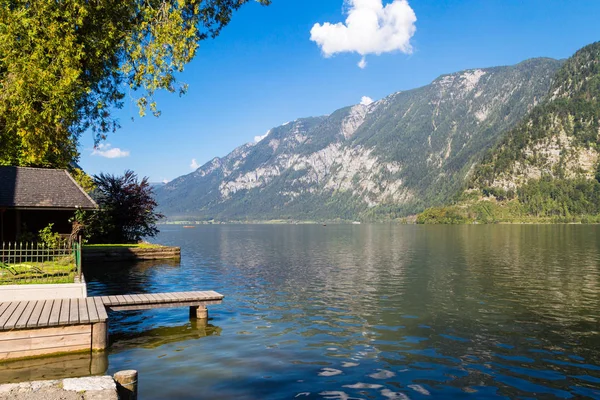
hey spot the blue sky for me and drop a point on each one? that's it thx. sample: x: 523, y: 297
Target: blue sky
x: 263, y: 70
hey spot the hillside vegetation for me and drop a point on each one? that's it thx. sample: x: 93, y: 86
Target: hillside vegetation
x: 546, y: 169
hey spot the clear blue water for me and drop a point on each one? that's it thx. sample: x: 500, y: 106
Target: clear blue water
x: 367, y: 311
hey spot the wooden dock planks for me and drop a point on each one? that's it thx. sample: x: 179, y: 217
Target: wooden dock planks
x: 67, y: 312
x: 36, y: 313
x: 146, y: 301
x: 12, y: 321
x: 84, y: 317
x: 50, y: 313
x: 45, y: 316
x: 100, y: 309
x: 43, y: 327
x: 63, y: 317
x: 8, y: 312
x: 22, y: 321
x: 55, y: 313
x: 92, y: 312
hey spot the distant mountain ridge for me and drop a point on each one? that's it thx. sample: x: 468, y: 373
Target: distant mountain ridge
x: 396, y: 156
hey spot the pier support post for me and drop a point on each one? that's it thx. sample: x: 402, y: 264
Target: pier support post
x: 198, y: 312
x: 99, y: 363
x: 199, y: 326
x: 127, y: 384
x: 99, y: 336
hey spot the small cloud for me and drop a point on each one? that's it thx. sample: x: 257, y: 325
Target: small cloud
x: 362, y: 64
x: 366, y: 100
x: 370, y: 28
x: 165, y: 181
x: 106, y: 150
x: 194, y: 165
x: 259, y: 138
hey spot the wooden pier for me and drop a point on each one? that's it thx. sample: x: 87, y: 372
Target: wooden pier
x: 43, y: 327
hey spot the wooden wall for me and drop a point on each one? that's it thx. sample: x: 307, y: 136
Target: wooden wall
x: 44, y: 341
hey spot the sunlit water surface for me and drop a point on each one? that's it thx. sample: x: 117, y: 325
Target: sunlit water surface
x: 367, y: 311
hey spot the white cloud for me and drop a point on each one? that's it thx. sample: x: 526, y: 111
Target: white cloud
x: 106, y: 150
x: 165, y: 181
x: 366, y: 100
x: 259, y: 138
x: 194, y: 164
x: 370, y: 28
x: 362, y: 64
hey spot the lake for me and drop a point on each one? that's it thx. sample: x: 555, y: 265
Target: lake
x: 367, y: 311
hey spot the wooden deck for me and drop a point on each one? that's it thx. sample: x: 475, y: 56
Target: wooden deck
x: 51, y: 313
x: 65, y: 312
x: 161, y: 300
x: 31, y: 323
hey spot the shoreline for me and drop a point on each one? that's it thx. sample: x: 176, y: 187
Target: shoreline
x: 193, y: 224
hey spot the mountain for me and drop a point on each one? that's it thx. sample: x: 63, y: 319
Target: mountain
x: 155, y: 185
x: 548, y: 166
x: 393, y: 157
x: 559, y: 138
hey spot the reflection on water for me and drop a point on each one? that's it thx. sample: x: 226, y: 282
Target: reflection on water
x: 368, y: 311
x: 156, y: 337
x: 66, y: 366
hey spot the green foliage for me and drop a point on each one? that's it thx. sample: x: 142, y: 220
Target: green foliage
x: 545, y: 200
x: 64, y: 65
x: 549, y: 197
x: 442, y: 215
x: 498, y: 193
x: 84, y: 180
x: 50, y: 238
x: 127, y: 210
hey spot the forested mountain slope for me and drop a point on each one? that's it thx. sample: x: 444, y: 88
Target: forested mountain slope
x: 393, y: 157
x: 548, y: 165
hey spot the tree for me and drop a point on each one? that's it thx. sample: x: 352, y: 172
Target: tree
x: 84, y: 180
x: 65, y: 64
x: 127, y: 209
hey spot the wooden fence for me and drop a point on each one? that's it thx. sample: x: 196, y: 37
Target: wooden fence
x: 36, y: 263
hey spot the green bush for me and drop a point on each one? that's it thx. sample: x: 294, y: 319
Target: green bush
x: 50, y: 238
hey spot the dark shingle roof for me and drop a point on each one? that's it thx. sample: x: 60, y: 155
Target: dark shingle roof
x: 24, y: 187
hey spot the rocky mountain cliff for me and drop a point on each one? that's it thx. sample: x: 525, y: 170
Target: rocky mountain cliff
x: 393, y: 157
x: 547, y: 168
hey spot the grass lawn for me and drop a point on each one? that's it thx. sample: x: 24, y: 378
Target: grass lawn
x: 28, y: 273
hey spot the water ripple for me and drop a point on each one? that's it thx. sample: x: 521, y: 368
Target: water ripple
x: 369, y: 311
